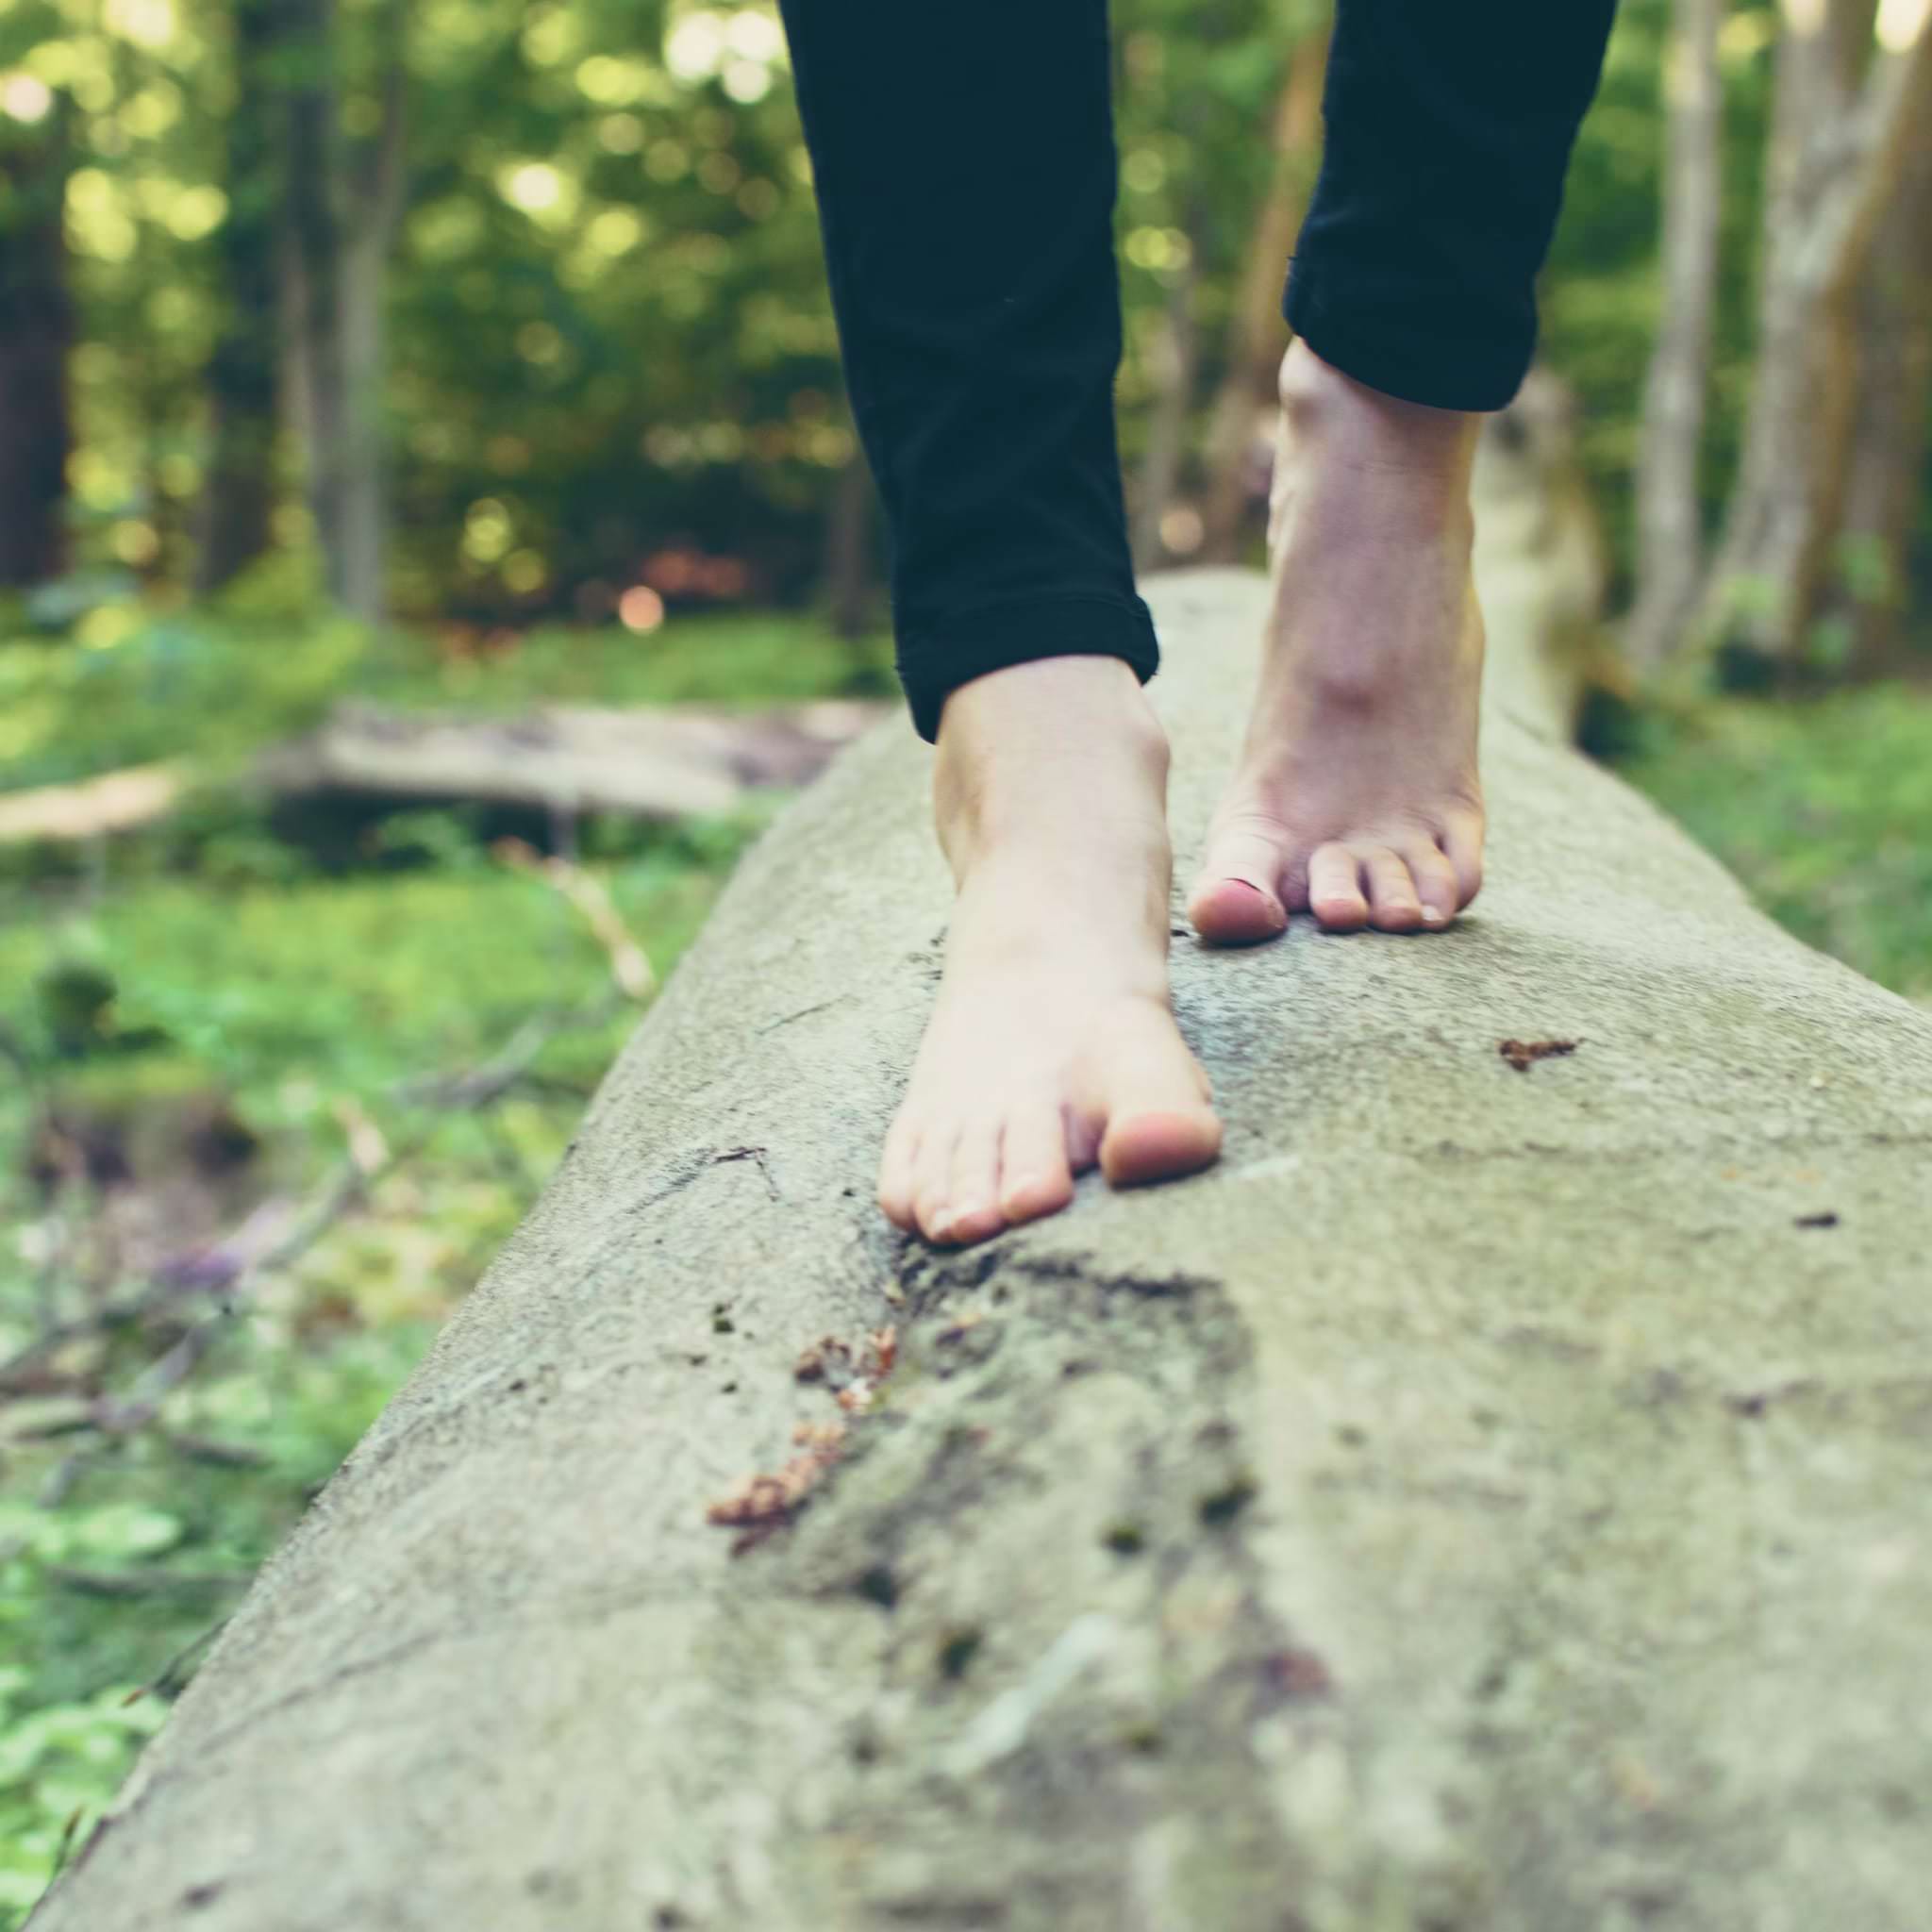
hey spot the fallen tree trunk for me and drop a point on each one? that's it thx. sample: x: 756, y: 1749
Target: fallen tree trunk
x: 1491, y: 1499
x: 666, y: 761
x: 670, y: 761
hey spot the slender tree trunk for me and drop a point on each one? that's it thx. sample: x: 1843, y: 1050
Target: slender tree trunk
x: 377, y: 194
x: 316, y: 258
x: 1174, y: 400
x: 1669, y: 545
x: 1891, y: 432
x: 1242, y: 421
x: 242, y: 373
x: 848, y: 548
x: 342, y: 213
x: 1840, y: 149
x: 36, y: 333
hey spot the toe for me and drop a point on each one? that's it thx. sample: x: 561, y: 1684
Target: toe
x: 1235, y: 901
x: 896, y: 1172
x: 1335, y: 893
x: 1158, y: 1120
x: 1035, y: 1175
x: 1462, y: 844
x: 974, y: 1187
x: 1435, y: 882
x: 1157, y: 1145
x: 932, y: 1184
x: 1392, y: 903
x: 1234, y: 912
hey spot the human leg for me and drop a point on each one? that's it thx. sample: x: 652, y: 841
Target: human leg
x: 965, y: 168
x: 1412, y: 296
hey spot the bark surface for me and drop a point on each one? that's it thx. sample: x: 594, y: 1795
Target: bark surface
x: 1491, y: 1499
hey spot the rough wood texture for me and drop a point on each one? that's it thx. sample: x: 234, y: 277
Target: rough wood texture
x: 1490, y: 1499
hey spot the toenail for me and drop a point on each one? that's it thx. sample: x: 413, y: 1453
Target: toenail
x: 1433, y: 915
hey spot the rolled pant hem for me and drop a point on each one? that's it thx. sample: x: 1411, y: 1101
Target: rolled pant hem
x: 936, y: 660
x: 1403, y: 358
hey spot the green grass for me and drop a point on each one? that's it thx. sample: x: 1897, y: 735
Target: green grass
x: 297, y: 1010
x: 1824, y: 809
x: 210, y: 688
x: 222, y: 966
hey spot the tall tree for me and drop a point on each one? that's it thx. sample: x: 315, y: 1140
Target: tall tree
x: 1893, y: 430
x: 343, y: 205
x: 1669, y: 545
x: 242, y: 370
x: 36, y: 333
x: 1846, y: 119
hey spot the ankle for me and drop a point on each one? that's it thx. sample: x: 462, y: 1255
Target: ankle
x: 1336, y: 422
x: 1067, y: 740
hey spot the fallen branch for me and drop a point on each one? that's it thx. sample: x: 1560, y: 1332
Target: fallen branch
x: 630, y: 967
x: 663, y: 763
x: 653, y: 762
x: 115, y: 802
x: 140, y: 1583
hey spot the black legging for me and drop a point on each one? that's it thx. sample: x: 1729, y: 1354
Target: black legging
x: 964, y: 160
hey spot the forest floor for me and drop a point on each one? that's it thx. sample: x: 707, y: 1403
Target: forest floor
x: 283, y: 1087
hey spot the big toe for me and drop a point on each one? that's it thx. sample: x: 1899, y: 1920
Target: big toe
x: 1158, y: 1121
x: 1157, y: 1145
x: 1236, y: 912
x: 1235, y: 902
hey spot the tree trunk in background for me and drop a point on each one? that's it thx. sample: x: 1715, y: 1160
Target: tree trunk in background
x: 315, y: 262
x: 1670, y: 543
x: 242, y: 374
x: 376, y: 200
x: 1179, y: 363
x: 342, y: 214
x: 1893, y: 425
x: 847, y: 559
x: 1242, y: 421
x: 36, y: 332
x: 1839, y: 148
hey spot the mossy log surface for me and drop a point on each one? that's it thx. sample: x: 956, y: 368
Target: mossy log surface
x: 1493, y: 1500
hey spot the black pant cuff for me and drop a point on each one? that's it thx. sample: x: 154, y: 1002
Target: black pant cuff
x: 1409, y: 357
x: 936, y: 660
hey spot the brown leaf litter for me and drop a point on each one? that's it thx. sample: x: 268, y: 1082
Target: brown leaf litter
x: 1524, y: 1054
x: 759, y: 1505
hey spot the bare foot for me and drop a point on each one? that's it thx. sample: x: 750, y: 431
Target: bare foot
x: 1053, y: 1046
x: 1357, y: 796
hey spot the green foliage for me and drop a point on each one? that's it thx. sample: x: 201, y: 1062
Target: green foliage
x: 180, y: 1537
x: 1821, y: 809
x: 612, y: 355
x: 59, y: 1765
x: 215, y: 975
x: 303, y: 1010
x: 166, y: 687
x: 211, y: 689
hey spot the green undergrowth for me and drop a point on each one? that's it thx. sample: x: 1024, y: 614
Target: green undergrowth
x: 1823, y: 808
x: 280, y: 1027
x: 210, y: 686
x: 200, y: 1025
